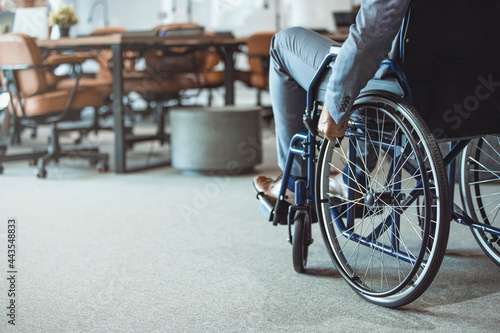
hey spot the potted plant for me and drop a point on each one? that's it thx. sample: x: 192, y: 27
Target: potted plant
x: 64, y: 17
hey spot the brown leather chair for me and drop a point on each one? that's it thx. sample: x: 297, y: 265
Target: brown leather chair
x: 108, y: 30
x: 169, y: 73
x: 258, y: 46
x: 103, y: 79
x: 191, y: 69
x: 54, y: 60
x: 33, y: 102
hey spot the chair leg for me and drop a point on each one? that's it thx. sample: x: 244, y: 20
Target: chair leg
x: 160, y: 119
x: 31, y: 157
x: 259, y: 96
x: 55, y: 152
x: 210, y: 96
x: 15, y: 132
x: 34, y: 132
x: 3, y: 150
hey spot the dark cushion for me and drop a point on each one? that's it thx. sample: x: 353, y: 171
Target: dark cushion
x: 451, y: 57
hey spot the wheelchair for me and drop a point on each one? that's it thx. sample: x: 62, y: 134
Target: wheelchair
x: 387, y: 235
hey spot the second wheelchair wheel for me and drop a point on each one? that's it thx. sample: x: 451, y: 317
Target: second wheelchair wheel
x: 301, y: 240
x: 383, y: 201
x: 479, y: 187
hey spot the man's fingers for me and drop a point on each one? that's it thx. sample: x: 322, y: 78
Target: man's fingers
x: 344, y: 126
x: 334, y: 135
x: 329, y: 127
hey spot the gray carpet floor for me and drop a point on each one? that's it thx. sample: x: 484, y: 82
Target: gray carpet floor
x: 160, y: 251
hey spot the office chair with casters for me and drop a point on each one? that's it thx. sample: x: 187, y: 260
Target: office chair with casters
x: 52, y: 61
x: 168, y: 75
x: 33, y: 103
x: 102, y: 80
x: 156, y: 90
x: 197, y: 65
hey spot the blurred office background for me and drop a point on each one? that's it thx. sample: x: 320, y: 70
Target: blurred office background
x: 242, y: 17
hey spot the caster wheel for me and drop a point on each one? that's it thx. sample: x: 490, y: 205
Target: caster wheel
x: 41, y: 174
x: 32, y: 163
x: 102, y: 167
x: 301, y: 241
x: 92, y: 162
x: 1, y: 170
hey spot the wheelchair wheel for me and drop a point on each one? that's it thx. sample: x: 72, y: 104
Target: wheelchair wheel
x: 385, y: 214
x: 480, y: 177
x: 301, y: 241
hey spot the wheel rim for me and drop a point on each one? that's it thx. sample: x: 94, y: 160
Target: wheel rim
x: 384, y: 252
x: 480, y: 174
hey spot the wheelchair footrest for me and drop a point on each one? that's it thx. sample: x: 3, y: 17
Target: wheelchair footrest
x: 268, y: 208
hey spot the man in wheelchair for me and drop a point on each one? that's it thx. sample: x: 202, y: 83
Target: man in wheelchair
x: 349, y: 129
x: 296, y: 55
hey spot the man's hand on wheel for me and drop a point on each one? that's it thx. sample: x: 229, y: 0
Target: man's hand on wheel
x: 328, y: 126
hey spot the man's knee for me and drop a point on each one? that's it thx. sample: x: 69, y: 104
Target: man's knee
x: 285, y: 36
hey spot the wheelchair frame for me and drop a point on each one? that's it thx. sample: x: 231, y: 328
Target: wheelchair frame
x: 304, y: 145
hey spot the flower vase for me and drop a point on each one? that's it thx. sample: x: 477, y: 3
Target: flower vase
x: 64, y: 31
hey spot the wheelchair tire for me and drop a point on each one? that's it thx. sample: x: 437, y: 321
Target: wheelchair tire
x: 480, y: 175
x: 301, y: 241
x: 385, y: 246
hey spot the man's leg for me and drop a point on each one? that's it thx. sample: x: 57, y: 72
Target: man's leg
x: 296, y: 54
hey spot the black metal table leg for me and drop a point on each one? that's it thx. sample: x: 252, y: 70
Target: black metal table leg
x: 229, y: 74
x: 119, y: 128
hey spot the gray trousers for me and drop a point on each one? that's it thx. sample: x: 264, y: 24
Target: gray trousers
x: 296, y: 55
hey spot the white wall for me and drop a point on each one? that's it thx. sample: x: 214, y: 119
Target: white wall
x: 131, y: 14
x: 240, y: 16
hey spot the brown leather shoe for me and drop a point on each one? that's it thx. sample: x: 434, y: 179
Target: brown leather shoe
x: 271, y: 188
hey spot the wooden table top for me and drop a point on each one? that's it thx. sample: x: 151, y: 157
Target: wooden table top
x: 124, y: 39
x: 183, y: 40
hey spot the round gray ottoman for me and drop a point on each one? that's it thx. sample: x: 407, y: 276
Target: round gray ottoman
x: 226, y: 140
